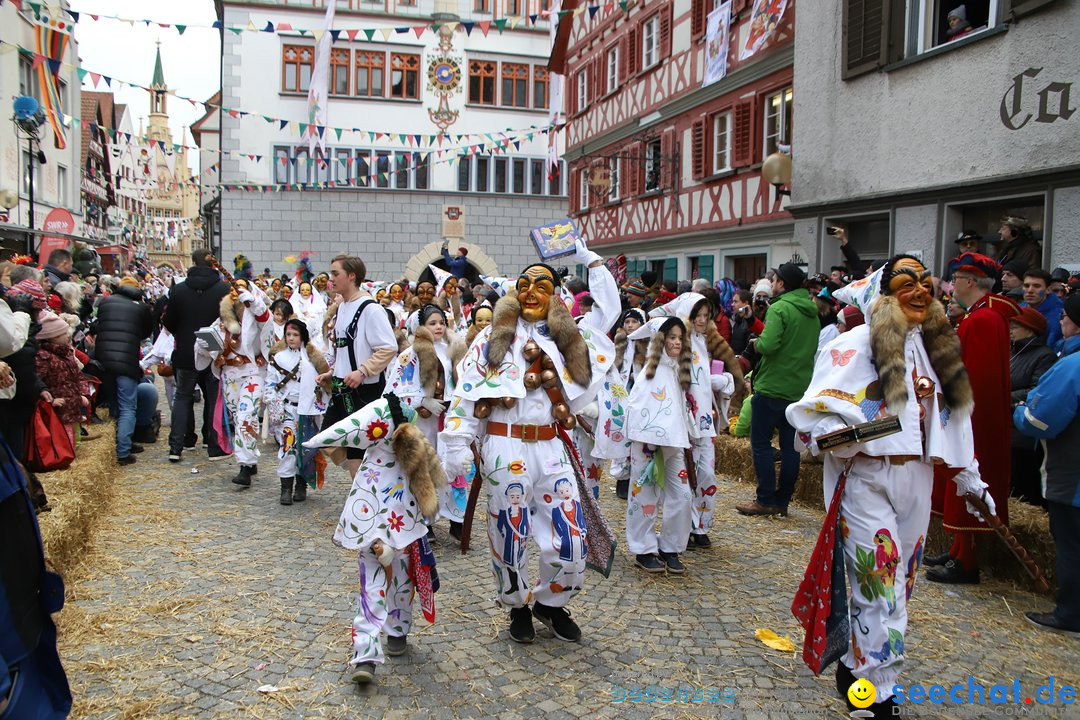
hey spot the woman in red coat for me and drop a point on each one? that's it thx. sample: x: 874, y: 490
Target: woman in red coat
x: 58, y: 369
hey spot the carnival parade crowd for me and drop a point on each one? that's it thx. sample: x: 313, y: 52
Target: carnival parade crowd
x: 427, y: 390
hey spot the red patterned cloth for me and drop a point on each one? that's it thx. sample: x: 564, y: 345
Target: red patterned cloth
x: 420, y: 575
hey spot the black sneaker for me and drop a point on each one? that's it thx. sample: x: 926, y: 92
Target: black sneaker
x: 455, y: 530
x: 673, y: 563
x: 951, y: 573
x: 396, y: 645
x: 521, y: 625
x: 364, y: 673
x: 649, y: 563
x: 243, y: 478
x: 698, y: 541
x: 1048, y: 621
x: 558, y: 622
x: 936, y: 560
x: 135, y: 449
x: 622, y: 488
x: 129, y: 460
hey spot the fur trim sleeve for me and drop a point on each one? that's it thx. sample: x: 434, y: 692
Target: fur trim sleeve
x: 317, y: 359
x: 421, y: 467
x: 424, y: 348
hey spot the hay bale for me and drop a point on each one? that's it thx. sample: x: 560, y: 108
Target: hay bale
x: 1029, y: 524
x: 79, y: 496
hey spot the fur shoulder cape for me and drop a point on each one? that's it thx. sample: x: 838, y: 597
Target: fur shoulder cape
x: 231, y: 313
x: 424, y: 347
x: 561, y: 325
x: 316, y: 357
x: 420, y: 465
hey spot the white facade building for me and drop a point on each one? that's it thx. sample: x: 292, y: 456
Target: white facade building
x: 389, y: 202
x: 909, y: 135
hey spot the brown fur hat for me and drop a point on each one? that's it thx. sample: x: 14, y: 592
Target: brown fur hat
x: 421, y: 466
x: 564, y: 332
x: 888, y: 328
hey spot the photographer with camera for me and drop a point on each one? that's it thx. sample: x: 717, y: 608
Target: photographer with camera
x: 854, y: 263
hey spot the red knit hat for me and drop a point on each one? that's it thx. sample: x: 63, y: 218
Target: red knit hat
x: 852, y: 317
x: 1032, y: 319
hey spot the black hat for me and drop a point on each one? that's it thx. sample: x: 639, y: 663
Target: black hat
x: 1016, y: 267
x: 1072, y: 307
x: 1059, y: 274
x: 967, y: 235
x: 792, y: 275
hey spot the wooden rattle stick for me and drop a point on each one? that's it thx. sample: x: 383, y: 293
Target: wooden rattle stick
x: 1011, y: 542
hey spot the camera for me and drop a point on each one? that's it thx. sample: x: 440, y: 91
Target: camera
x: 761, y: 301
x: 831, y: 230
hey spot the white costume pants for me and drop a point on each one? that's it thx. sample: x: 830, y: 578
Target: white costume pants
x: 643, y: 507
x: 536, y: 477
x: 385, y: 603
x: 592, y: 466
x: 884, y: 514
x: 701, y: 511
x: 286, y: 436
x: 243, y: 400
x: 454, y: 495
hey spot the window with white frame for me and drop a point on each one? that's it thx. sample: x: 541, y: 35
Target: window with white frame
x: 61, y: 186
x: 363, y: 168
x: 583, y: 189
x: 520, y: 175
x: 342, y: 167
x: 28, y: 80
x: 653, y: 165
x: 778, y: 109
x: 582, y: 90
x: 650, y: 45
x: 721, y: 138
x: 613, y: 180
x: 613, y: 68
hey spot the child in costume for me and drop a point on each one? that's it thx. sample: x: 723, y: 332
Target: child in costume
x: 295, y: 405
x: 660, y: 424
x: 394, y: 494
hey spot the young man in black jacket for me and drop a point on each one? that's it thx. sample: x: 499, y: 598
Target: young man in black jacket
x: 193, y: 304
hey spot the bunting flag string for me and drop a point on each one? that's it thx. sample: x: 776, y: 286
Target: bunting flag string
x: 418, y: 139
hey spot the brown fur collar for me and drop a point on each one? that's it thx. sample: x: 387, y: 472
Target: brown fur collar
x: 621, y: 342
x: 563, y: 329
x: 314, y: 356
x: 231, y: 313
x: 686, y: 360
x: 420, y: 465
x: 720, y: 350
x: 888, y: 328
x: 430, y: 367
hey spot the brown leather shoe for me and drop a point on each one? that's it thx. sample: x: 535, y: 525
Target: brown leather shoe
x: 756, y: 508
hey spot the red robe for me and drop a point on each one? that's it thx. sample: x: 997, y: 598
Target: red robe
x: 984, y: 343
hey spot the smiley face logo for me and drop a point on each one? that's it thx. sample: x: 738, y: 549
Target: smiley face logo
x: 862, y: 693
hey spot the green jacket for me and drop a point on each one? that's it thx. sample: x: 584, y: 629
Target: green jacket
x: 787, y: 346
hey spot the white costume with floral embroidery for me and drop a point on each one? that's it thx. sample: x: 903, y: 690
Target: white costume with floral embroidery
x: 885, y: 508
x: 298, y: 397
x: 539, y: 475
x: 403, y: 379
x: 380, y: 507
x: 658, y: 416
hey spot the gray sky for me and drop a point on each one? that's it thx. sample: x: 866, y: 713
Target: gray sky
x: 189, y: 61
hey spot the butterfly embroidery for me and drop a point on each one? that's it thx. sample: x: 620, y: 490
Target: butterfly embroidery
x: 842, y: 359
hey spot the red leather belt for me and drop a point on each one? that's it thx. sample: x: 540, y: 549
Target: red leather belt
x: 525, y: 433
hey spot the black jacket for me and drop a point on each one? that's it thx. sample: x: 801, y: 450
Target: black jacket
x: 193, y: 304
x: 123, y: 322
x: 1030, y: 359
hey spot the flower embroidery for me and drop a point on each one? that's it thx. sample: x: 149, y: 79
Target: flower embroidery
x: 396, y: 522
x: 601, y: 358
x: 683, y: 474
x: 593, y: 472
x: 618, y: 391
x: 517, y: 467
x: 371, y: 475
x: 377, y: 430
x: 660, y: 396
x: 251, y: 387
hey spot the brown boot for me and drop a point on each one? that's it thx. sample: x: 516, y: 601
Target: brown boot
x: 756, y: 508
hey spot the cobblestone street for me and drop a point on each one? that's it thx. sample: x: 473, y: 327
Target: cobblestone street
x: 201, y: 593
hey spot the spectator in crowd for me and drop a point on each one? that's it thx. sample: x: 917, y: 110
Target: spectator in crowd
x: 855, y: 265
x: 1037, y: 295
x: 636, y: 291
x: 1059, y: 282
x: 58, y: 269
x: 968, y: 241
x: 1019, y: 243
x: 124, y: 321
x: 59, y: 370
x: 742, y: 315
x: 786, y: 345
x: 1012, y: 280
x: 1030, y: 359
x: 457, y: 264
x: 193, y: 304
x: 1050, y: 414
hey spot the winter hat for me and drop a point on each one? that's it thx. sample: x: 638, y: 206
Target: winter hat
x: 636, y: 288
x: 763, y: 287
x: 960, y: 13
x: 977, y: 264
x: 1072, y: 308
x: 52, y: 326
x: 1016, y: 267
x: 852, y: 317
x: 31, y: 288
x: 967, y: 235
x: 792, y: 275
x: 1059, y: 274
x: 1032, y: 319
x: 130, y: 282
x: 463, y: 251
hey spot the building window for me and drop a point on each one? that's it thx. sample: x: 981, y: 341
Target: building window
x: 421, y: 171
x: 582, y: 90
x: 321, y: 167
x: 500, y: 174
x: 302, y: 173
x: 369, y: 73
x: 402, y: 165
x: 777, y: 121
x: 281, y: 165
x: 583, y: 189
x: 28, y: 80
x: 382, y: 169
x: 297, y: 63
x: 61, y: 186
x: 339, y: 72
x: 480, y: 6
x: 483, y: 165
x: 515, y: 85
x: 513, y: 7
x: 653, y: 165
x: 650, y: 45
x: 464, y: 173
x: 555, y: 179
x: 342, y: 167
x: 613, y: 180
x: 613, y: 68
x: 519, y: 175
x: 407, y: 2
x: 721, y: 142
x: 536, y: 177
x: 482, y: 82
x: 363, y: 168
x: 404, y: 76
x: 540, y: 87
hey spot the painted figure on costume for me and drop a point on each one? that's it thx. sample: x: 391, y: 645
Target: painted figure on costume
x: 568, y: 521
x: 513, y: 523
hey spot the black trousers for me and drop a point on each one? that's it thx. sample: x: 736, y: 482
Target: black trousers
x: 183, y: 413
x: 1065, y: 527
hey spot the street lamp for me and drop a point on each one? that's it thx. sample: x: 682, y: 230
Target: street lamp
x: 8, y: 199
x: 776, y: 170
x: 28, y: 119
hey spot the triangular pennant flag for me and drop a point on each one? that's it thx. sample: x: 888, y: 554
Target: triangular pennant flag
x: 352, y: 34
x: 338, y: 131
x: 624, y: 5
x: 74, y: 15
x: 180, y: 29
x: 484, y: 26
x: 282, y: 124
x: 216, y: 24
x: 237, y: 30
x: 251, y: 26
x: 334, y: 35
x: 82, y: 73
x: 468, y: 27
x: 284, y: 26
x: 370, y: 33
x: 593, y: 10
x: 532, y: 19
x: 318, y: 34
x: 419, y: 30
x: 387, y: 32
x: 269, y: 27
x: 500, y: 24
x: 107, y: 79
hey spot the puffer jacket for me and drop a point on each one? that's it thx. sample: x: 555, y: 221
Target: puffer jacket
x: 123, y: 322
x: 192, y: 304
x: 1030, y: 360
